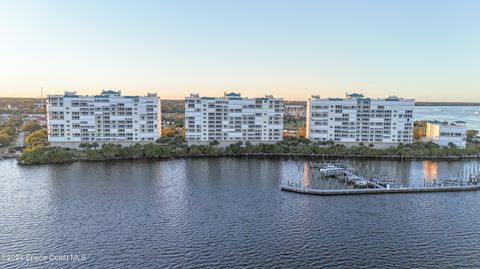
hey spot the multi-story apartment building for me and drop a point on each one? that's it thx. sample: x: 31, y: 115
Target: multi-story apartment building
x: 444, y: 133
x: 356, y: 119
x: 105, y: 118
x: 232, y: 118
x: 295, y: 110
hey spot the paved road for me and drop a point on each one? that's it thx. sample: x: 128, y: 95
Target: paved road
x: 20, y: 140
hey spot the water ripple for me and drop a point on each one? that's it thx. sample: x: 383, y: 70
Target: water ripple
x: 223, y: 213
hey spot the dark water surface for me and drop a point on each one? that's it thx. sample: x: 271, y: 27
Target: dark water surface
x: 227, y: 213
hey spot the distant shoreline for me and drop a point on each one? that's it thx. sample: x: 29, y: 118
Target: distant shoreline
x: 287, y: 102
x: 447, y: 104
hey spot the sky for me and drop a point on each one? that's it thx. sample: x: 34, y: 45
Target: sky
x: 427, y: 50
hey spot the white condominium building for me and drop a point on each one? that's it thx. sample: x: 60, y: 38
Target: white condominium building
x: 356, y: 119
x: 444, y: 133
x: 232, y: 119
x: 295, y: 110
x: 105, y: 118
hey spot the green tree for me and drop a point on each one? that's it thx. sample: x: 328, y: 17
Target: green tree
x: 5, y: 139
x: 30, y: 126
x: 95, y: 145
x: 14, y: 121
x: 7, y: 130
x: 42, y: 155
x: 472, y: 134
x: 111, y: 151
x: 37, y: 138
x: 214, y: 143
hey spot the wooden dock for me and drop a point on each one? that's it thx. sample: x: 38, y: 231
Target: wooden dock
x: 380, y: 190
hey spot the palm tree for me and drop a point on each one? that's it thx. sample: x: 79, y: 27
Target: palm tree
x: 88, y: 146
x: 95, y: 145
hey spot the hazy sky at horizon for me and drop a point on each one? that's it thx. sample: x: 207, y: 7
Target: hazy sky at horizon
x: 428, y: 50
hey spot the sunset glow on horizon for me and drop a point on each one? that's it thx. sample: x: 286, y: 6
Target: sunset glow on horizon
x: 427, y: 50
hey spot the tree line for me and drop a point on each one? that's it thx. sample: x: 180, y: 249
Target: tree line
x: 176, y: 147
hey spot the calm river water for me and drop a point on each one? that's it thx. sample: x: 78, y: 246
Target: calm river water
x: 469, y: 114
x: 229, y: 213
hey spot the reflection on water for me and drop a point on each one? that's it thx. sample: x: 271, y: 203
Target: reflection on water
x: 406, y: 173
x: 227, y: 212
x: 430, y: 170
x: 306, y: 175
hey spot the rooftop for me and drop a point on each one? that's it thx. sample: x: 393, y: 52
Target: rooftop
x: 354, y: 95
x: 234, y: 96
x: 360, y: 96
x: 231, y: 94
x: 111, y: 92
x: 103, y: 94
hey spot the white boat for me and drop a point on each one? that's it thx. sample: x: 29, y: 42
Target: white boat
x: 331, y: 170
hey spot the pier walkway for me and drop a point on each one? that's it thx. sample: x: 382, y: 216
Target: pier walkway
x: 379, y: 190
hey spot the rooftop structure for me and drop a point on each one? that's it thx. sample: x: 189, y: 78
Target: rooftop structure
x: 358, y: 119
x: 104, y: 118
x: 233, y: 118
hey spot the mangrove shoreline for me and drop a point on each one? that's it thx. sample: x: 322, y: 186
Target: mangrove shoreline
x: 174, y: 148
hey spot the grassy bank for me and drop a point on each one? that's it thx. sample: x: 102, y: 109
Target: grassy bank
x: 177, y: 148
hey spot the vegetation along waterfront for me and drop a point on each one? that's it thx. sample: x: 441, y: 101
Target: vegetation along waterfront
x: 175, y: 147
